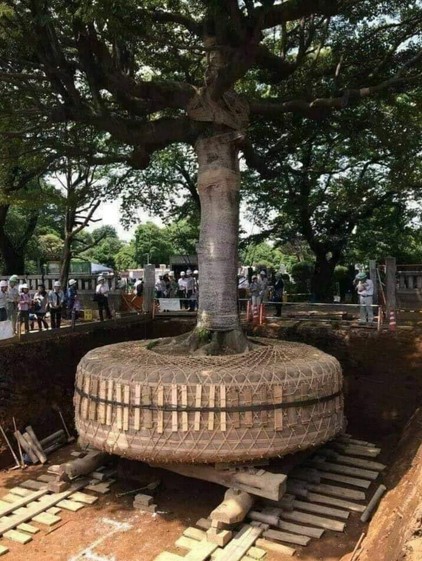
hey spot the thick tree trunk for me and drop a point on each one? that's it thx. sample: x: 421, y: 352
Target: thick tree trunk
x: 13, y: 259
x: 218, y: 328
x: 322, y: 285
x: 218, y: 188
x: 65, y: 266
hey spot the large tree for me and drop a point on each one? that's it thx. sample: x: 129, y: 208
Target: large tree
x: 199, y: 72
x: 334, y: 176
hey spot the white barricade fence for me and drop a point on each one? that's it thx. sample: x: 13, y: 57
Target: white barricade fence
x: 6, y: 329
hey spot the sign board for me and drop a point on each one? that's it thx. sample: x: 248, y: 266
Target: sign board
x: 169, y: 304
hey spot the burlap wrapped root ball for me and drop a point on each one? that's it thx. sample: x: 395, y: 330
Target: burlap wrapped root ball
x: 276, y: 399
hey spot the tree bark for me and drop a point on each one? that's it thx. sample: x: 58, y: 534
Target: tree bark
x: 218, y: 188
x: 13, y: 257
x: 322, y: 280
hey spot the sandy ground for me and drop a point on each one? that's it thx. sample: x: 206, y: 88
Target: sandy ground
x: 111, y: 530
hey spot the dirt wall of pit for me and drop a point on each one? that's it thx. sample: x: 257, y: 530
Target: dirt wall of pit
x: 36, y: 375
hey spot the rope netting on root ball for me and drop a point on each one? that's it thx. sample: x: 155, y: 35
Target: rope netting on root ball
x: 278, y: 398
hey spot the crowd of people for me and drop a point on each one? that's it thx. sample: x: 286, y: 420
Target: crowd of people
x: 261, y: 290
x: 186, y: 288
x: 21, y: 308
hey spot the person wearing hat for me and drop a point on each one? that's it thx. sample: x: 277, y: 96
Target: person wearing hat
x: 3, y: 300
x: 13, y: 300
x: 71, y: 299
x: 365, y: 290
x: 255, y: 290
x: 182, y: 282
x: 24, y: 306
x: 101, y: 297
x: 55, y: 303
x: 263, y: 283
x: 190, y: 291
x: 40, y: 301
x: 278, y: 294
x: 173, y: 286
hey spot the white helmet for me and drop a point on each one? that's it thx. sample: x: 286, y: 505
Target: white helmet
x: 24, y: 286
x: 262, y: 273
x: 196, y: 272
x: 182, y: 274
x: 72, y: 282
x: 57, y: 284
x: 100, y: 278
x: 3, y: 284
x: 189, y: 272
x: 171, y: 273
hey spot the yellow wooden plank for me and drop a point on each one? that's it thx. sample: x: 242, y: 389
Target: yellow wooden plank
x: 174, y: 415
x: 109, y: 407
x: 247, y: 399
x: 46, y: 518
x: 146, y: 413
x: 198, y: 398
x: 160, y: 412
x: 278, y: 413
x: 85, y: 400
x: 119, y: 408
x: 3, y: 549
x: 83, y: 498
x: 233, y: 401
x: 137, y: 410
x: 21, y: 491
x: 101, y: 404
x: 28, y: 528
x: 223, y: 414
x: 53, y: 510
x: 93, y: 401
x: 211, y: 404
x: 263, y: 399
x: 184, y: 390
x: 126, y: 401
x: 17, y: 536
x: 73, y: 506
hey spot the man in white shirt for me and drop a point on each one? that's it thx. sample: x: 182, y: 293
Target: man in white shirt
x: 365, y: 290
x: 183, y: 287
x: 101, y: 297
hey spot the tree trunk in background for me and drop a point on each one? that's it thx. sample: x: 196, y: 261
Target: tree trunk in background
x: 13, y: 258
x: 65, y: 266
x: 322, y: 285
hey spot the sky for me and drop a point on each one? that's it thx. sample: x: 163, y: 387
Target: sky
x: 110, y: 214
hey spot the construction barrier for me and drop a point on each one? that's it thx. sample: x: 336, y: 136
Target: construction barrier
x: 392, y: 321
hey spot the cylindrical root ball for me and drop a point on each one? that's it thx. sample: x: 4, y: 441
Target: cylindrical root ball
x: 276, y: 399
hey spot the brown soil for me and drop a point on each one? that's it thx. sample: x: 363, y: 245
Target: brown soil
x: 112, y: 529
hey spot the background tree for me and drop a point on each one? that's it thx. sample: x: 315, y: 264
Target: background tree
x: 125, y: 258
x: 334, y: 177
x: 105, y: 246
x: 22, y: 194
x: 152, y: 245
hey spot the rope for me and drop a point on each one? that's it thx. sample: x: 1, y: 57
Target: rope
x: 236, y: 409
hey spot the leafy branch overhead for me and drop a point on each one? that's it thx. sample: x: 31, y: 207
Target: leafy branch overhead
x: 141, y: 72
